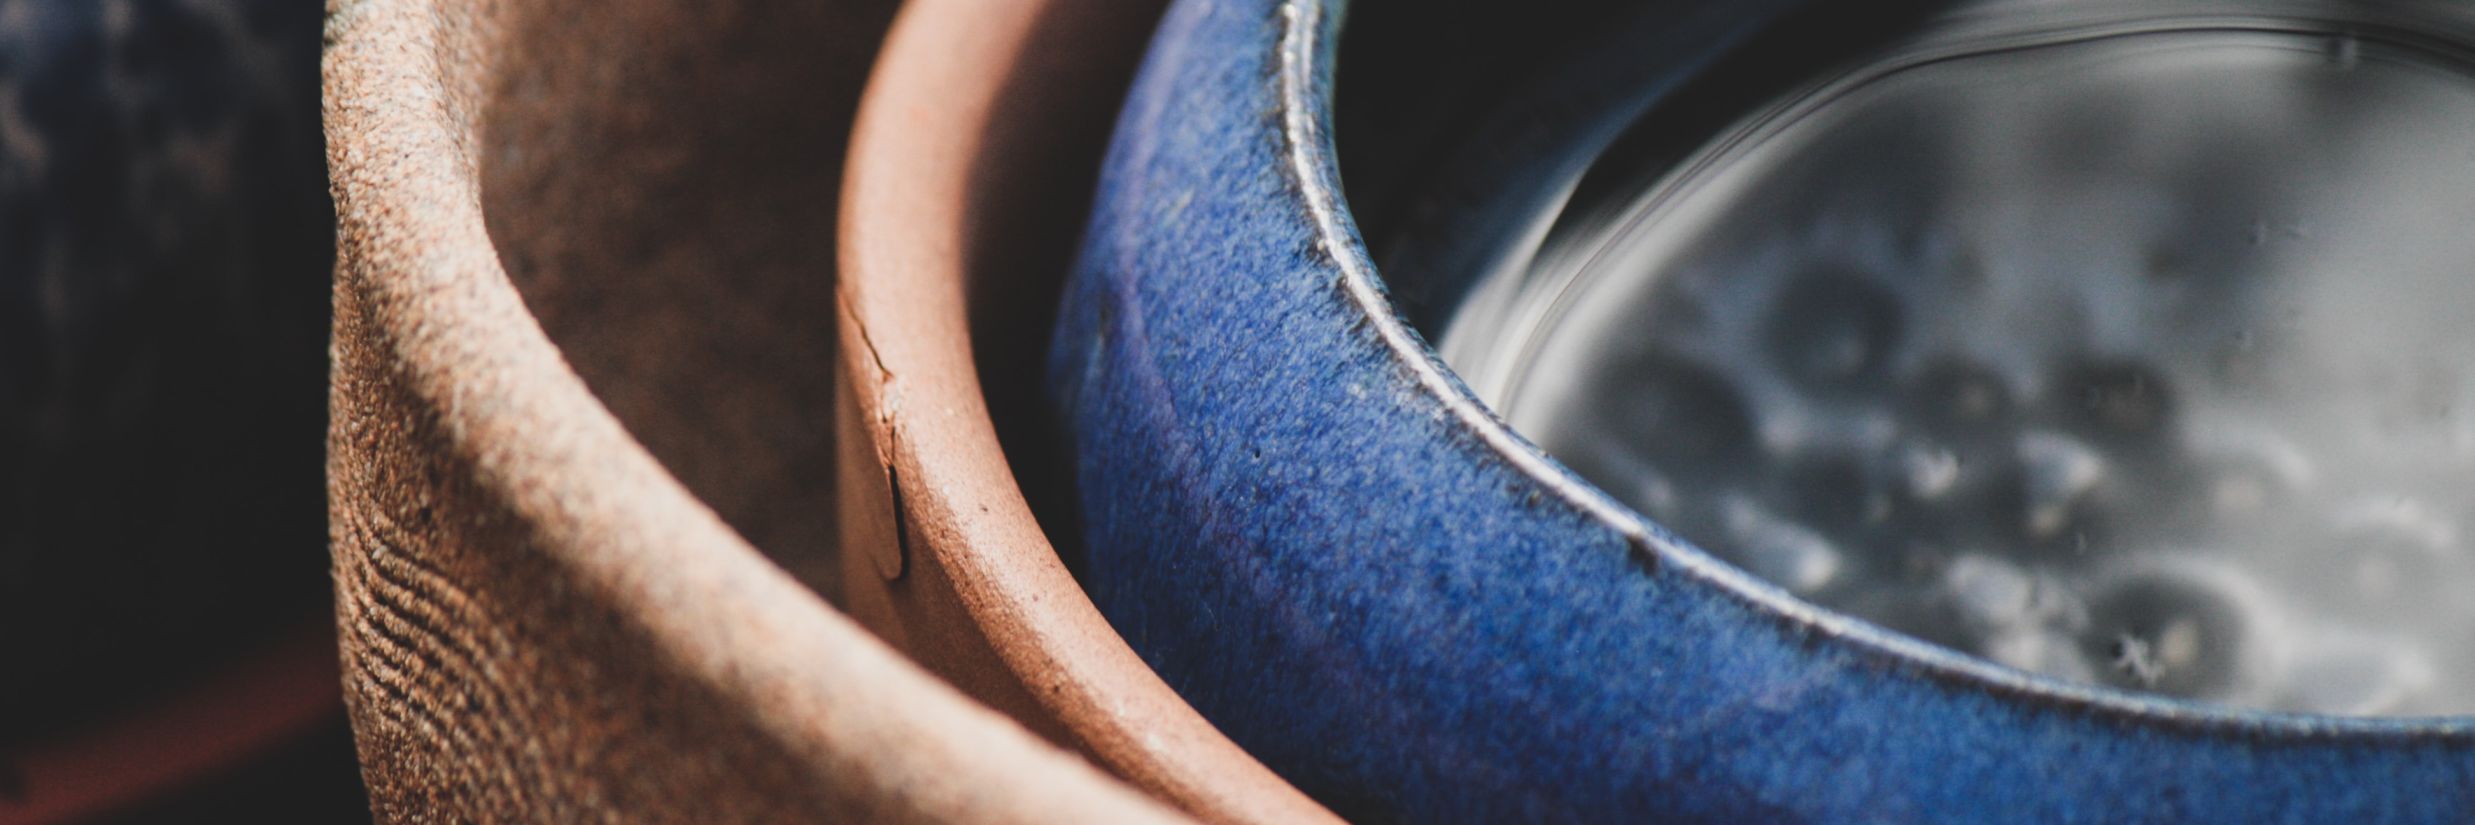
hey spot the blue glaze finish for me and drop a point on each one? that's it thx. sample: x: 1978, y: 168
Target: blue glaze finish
x: 1318, y: 538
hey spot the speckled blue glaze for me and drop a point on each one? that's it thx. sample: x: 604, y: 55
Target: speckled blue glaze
x: 165, y: 241
x: 1317, y: 537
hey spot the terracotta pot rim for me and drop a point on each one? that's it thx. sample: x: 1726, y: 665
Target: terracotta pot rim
x: 907, y: 347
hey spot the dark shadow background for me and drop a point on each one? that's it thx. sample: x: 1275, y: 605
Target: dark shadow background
x: 165, y: 244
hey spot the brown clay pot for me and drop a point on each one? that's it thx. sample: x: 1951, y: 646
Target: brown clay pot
x: 976, y: 149
x: 582, y: 359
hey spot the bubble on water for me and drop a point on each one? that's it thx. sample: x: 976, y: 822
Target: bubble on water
x: 2248, y: 469
x: 2192, y: 634
x: 1834, y: 332
x: 2131, y: 656
x: 1779, y: 550
x: 2040, y: 651
x: 1959, y: 396
x: 2116, y: 399
x: 1833, y: 491
x: 1989, y: 593
x: 2392, y: 546
x: 1930, y: 471
x: 2058, y: 474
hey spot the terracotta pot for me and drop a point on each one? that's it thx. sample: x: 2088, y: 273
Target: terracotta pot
x: 550, y: 604
x: 975, y: 153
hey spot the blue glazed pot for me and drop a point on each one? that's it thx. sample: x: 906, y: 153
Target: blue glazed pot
x: 1321, y: 539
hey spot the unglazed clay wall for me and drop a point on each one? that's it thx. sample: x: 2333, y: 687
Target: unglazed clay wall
x: 660, y: 178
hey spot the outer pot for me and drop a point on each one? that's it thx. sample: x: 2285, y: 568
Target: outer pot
x: 1320, y: 538
x: 541, y: 622
x: 975, y: 150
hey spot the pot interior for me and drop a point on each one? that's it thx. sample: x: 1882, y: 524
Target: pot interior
x: 2111, y: 342
x: 660, y: 178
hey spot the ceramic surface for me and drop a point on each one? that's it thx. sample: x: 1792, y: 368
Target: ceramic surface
x: 541, y: 622
x: 1315, y: 534
x: 948, y: 270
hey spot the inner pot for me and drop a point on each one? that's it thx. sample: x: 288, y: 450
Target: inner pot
x: 689, y: 298
x: 968, y: 178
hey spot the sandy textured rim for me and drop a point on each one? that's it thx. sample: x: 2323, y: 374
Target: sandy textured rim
x: 403, y: 80
x: 1311, y: 164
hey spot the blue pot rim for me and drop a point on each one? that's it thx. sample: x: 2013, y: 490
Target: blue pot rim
x: 1310, y: 163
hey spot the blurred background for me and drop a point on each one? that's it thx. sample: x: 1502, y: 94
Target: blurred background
x: 166, y: 635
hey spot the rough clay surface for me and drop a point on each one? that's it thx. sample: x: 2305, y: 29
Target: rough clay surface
x: 974, y: 156
x: 540, y: 623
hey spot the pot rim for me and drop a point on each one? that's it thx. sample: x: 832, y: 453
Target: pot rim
x: 1310, y: 161
x: 405, y: 100
x: 906, y: 208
